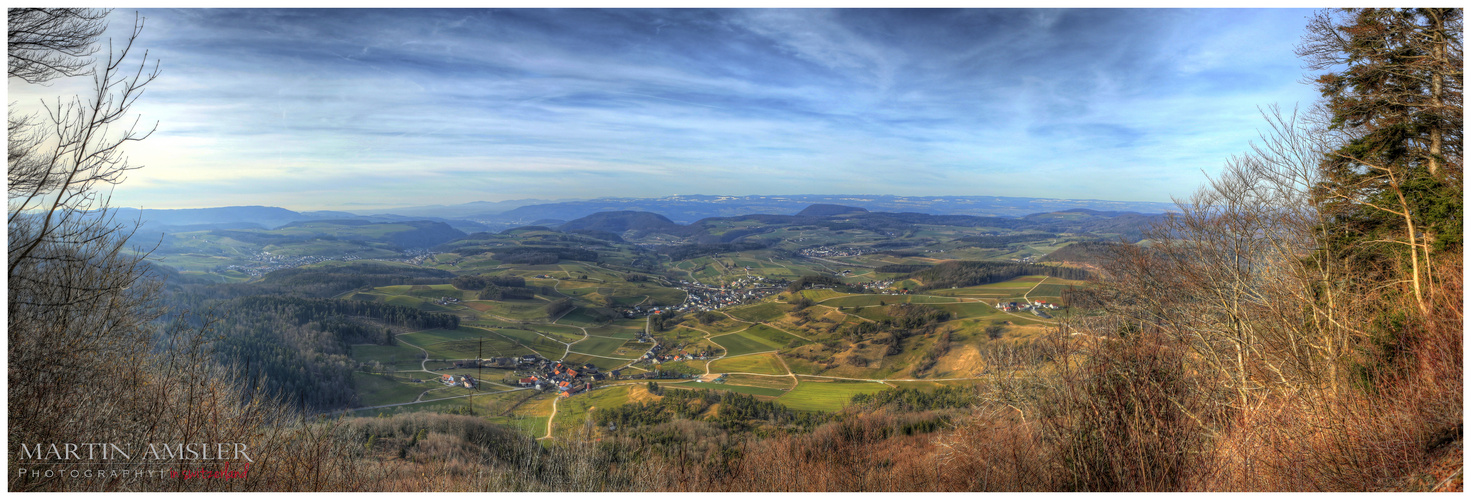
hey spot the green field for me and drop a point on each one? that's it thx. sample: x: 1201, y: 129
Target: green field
x: 573, y: 411
x: 782, y: 383
x: 464, y: 343
x: 374, y: 390
x: 548, y: 348
x: 599, y: 346
x: 1049, y: 289
x: 437, y: 335
x: 564, y: 337
x: 621, y: 332
x: 513, y: 309
x: 395, y: 357
x: 755, y: 363
x: 826, y: 396
x: 770, y: 336
x: 758, y: 313
x: 968, y: 309
x: 754, y: 391
x: 737, y: 344
x: 865, y: 300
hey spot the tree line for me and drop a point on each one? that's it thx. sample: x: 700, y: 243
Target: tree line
x: 972, y: 273
x: 738, y: 412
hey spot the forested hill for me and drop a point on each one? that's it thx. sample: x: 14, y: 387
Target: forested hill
x: 618, y: 222
x: 297, y: 348
x: 1084, y: 252
x: 971, y: 273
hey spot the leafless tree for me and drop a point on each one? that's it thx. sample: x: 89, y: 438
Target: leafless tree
x: 45, y: 44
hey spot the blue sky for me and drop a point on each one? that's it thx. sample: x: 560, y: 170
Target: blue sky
x: 323, y: 109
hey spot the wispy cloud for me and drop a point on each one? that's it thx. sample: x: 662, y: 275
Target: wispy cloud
x: 323, y: 108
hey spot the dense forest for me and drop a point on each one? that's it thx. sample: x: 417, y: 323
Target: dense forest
x: 736, y: 413
x: 330, y: 281
x: 296, y: 348
x: 972, y: 273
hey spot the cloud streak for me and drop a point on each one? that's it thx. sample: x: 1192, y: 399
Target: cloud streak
x: 330, y: 108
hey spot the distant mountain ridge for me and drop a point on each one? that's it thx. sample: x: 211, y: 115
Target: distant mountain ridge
x: 826, y: 210
x: 620, y: 221
x: 686, y: 209
x: 691, y: 208
x: 627, y: 223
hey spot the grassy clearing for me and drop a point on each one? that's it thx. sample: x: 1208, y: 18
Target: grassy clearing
x: 603, y: 364
x: 464, y: 343
x: 374, y: 390
x: 560, y: 329
x: 435, y: 336
x: 969, y: 309
x: 686, y: 367
x: 865, y: 300
x: 548, y: 348
x: 821, y: 295
x: 599, y: 346
x: 573, y: 411
x: 621, y: 332
x: 737, y: 344
x: 826, y: 396
x: 783, y: 383
x: 1049, y: 289
x: 514, y: 309
x: 754, y: 391
x: 758, y: 313
x: 564, y: 337
x: 579, y: 317
x: 490, y: 346
x: 772, y: 337
x: 395, y: 357
x: 756, y: 363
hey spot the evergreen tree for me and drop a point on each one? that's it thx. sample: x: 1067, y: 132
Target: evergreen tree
x: 1392, y: 99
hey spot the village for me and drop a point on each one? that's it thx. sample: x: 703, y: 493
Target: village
x: 535, y: 372
x: 1035, y: 307
x: 264, y: 262
x: 701, y: 297
x: 825, y: 251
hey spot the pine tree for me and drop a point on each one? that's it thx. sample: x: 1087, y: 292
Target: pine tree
x: 1393, y: 103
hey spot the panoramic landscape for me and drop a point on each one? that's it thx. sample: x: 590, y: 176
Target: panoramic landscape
x: 735, y: 250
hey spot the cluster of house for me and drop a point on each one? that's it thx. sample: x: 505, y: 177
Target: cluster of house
x: 656, y: 356
x: 264, y: 262
x: 826, y: 251
x: 416, y: 256
x: 699, y: 297
x: 444, y: 301
x: 659, y: 375
x: 564, y: 378
x: 883, y: 287
x: 464, y: 380
x: 707, y: 298
x: 1036, y: 307
x: 681, y: 356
